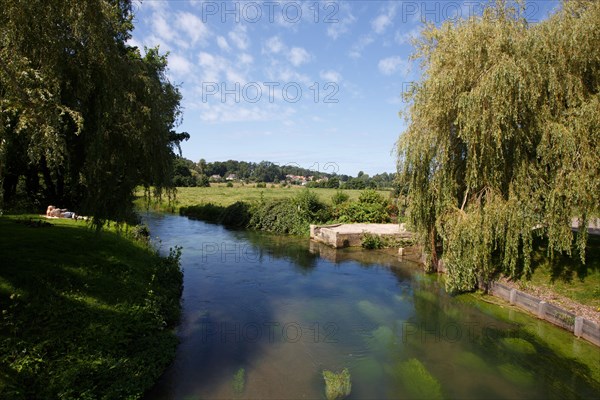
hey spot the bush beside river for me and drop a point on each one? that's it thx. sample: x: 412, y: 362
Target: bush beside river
x: 294, y: 215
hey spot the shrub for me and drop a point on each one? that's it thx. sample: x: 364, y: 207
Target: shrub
x: 278, y: 216
x: 205, y: 212
x: 372, y: 242
x: 339, y: 197
x: 308, y: 204
x: 289, y: 216
x: 236, y: 215
x: 140, y: 233
x: 229, y: 184
x: 261, y: 185
x: 370, y: 196
x: 361, y: 212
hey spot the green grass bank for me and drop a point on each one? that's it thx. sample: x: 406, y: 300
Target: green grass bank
x: 85, y: 314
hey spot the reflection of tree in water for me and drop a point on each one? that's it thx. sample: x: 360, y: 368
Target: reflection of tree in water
x: 266, y: 245
x: 509, y: 350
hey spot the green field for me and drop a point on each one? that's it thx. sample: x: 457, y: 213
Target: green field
x: 84, y: 314
x: 220, y: 194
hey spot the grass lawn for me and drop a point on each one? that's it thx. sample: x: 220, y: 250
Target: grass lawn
x: 568, y: 276
x: 84, y: 314
x: 220, y: 194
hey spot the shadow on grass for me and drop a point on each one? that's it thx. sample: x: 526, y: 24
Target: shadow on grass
x: 564, y: 268
x: 82, y: 316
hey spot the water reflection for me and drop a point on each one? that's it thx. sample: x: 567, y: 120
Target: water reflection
x: 281, y: 310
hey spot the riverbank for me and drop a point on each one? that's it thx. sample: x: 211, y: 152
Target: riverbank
x: 84, y: 314
x: 563, y: 280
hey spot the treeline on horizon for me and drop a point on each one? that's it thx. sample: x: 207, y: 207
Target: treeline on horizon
x: 187, y: 173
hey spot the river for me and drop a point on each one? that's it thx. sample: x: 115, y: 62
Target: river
x: 264, y: 315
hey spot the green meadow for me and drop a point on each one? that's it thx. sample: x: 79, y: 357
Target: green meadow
x: 221, y: 195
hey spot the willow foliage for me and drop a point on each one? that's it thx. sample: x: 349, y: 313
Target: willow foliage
x: 80, y: 110
x: 503, y: 136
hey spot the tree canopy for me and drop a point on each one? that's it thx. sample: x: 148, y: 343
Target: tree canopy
x: 85, y: 117
x: 502, y: 142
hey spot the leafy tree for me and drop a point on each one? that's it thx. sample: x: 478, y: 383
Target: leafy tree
x: 354, y: 183
x: 503, y: 139
x: 203, y: 181
x: 333, y: 183
x: 182, y: 173
x: 81, y: 110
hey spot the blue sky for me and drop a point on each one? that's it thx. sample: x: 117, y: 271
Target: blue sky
x: 311, y: 83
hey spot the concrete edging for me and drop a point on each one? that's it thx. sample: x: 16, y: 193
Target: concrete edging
x: 579, y: 326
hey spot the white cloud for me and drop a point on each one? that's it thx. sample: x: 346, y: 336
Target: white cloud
x: 389, y: 65
x: 382, y: 21
x: 330, y: 76
x: 211, y: 66
x: 192, y: 26
x: 406, y: 37
x: 218, y: 69
x: 162, y: 28
x: 155, y: 5
x: 298, y: 56
x: 153, y: 40
x: 239, y: 112
x: 285, y: 74
x: 239, y: 37
x: 245, y: 58
x: 274, y: 45
x: 179, y: 64
x: 345, y: 20
x: 360, y: 45
x: 222, y: 43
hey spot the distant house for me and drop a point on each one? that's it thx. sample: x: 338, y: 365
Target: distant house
x: 231, y: 177
x: 296, y: 179
x: 215, y: 178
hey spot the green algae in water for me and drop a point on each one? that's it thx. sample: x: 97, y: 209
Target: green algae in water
x: 238, y: 382
x: 381, y: 340
x: 516, y: 374
x: 376, y: 313
x: 337, y: 386
x: 427, y: 296
x: 518, y: 345
x: 368, y: 370
x: 472, y: 361
x: 416, y: 380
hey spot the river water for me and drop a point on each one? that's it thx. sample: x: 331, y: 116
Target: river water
x: 264, y: 315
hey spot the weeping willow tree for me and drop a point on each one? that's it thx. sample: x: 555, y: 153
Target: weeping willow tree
x: 84, y: 117
x: 503, y: 139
